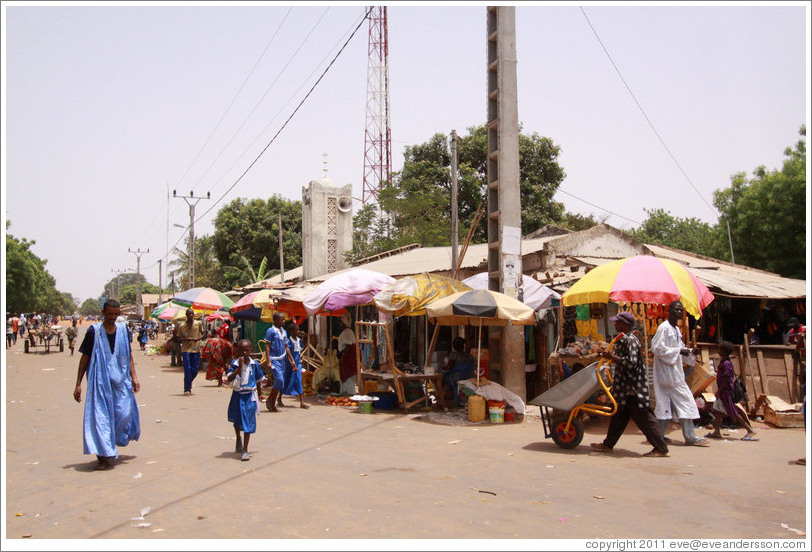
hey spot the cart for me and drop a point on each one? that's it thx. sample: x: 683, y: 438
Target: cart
x: 45, y: 335
x: 566, y: 399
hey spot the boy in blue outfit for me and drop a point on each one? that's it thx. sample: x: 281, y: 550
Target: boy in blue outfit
x: 246, y: 376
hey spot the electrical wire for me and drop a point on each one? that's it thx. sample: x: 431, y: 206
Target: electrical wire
x: 285, y: 124
x: 262, y: 98
x: 640, y: 107
x: 273, y: 139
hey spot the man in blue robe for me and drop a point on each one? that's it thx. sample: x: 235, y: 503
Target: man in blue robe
x: 111, y: 412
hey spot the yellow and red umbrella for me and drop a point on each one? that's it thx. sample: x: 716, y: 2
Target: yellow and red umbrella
x: 641, y: 279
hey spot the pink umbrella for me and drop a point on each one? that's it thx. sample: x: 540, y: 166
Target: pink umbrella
x: 356, y: 286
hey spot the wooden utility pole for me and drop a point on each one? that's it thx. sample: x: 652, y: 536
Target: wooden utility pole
x: 138, y: 303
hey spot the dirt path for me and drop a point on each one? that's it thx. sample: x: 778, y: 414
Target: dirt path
x: 331, y: 473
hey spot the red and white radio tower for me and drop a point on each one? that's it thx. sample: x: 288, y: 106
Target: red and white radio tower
x: 378, y: 138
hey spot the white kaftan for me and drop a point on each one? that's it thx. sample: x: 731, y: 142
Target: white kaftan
x: 670, y: 387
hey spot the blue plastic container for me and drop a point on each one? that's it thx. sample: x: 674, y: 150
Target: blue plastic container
x: 387, y: 400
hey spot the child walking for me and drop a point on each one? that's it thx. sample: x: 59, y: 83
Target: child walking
x: 293, y: 365
x: 246, y: 375
x: 723, y: 405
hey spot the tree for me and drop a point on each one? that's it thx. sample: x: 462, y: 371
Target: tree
x: 208, y: 270
x: 245, y: 273
x: 248, y: 228
x: 129, y: 292
x: 418, y: 203
x: 29, y: 286
x: 688, y: 234
x: 113, y: 287
x: 577, y: 222
x: 90, y: 306
x: 767, y: 215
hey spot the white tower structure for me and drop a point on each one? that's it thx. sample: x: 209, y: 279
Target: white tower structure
x: 326, y: 227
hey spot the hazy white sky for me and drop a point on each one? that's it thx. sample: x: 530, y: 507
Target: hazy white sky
x: 107, y: 108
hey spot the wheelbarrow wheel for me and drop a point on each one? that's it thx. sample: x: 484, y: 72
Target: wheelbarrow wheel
x: 26, y: 345
x: 571, y: 438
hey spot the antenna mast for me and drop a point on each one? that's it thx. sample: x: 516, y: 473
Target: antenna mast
x: 378, y: 137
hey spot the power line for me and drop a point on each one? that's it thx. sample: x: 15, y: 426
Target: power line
x: 236, y: 95
x: 599, y: 207
x: 264, y: 95
x: 261, y: 153
x: 273, y: 139
x: 290, y: 99
x: 646, y: 116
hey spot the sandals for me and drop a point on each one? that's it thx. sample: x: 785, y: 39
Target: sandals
x: 245, y: 457
x: 748, y: 438
x: 600, y: 447
x: 712, y: 436
x: 701, y: 442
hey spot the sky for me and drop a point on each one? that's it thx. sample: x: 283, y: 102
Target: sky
x: 108, y: 108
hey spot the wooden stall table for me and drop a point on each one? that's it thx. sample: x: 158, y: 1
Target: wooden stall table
x: 390, y: 374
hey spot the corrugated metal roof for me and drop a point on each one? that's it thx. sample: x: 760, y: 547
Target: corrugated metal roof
x: 721, y: 277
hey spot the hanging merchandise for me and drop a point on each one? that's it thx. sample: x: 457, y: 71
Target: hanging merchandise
x: 597, y: 310
x: 582, y: 312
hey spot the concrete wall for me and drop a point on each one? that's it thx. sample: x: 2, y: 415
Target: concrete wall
x: 326, y: 227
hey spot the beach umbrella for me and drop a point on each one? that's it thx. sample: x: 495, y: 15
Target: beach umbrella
x: 353, y: 287
x: 479, y: 307
x: 642, y: 279
x: 536, y: 296
x: 257, y: 305
x: 219, y: 315
x: 164, y: 307
x: 409, y: 296
x: 203, y: 298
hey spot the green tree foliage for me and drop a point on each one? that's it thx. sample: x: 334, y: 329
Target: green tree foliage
x: 247, y: 228
x: 688, y: 234
x: 767, y: 215
x: 130, y: 291
x: 419, y: 201
x: 577, y: 222
x: 29, y: 286
x: 208, y: 270
x: 245, y: 273
x: 120, y: 281
x: 90, y: 306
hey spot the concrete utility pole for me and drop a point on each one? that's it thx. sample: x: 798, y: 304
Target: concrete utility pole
x: 504, y: 195
x: 454, y: 201
x: 138, y: 305
x: 116, y: 293
x: 191, y: 252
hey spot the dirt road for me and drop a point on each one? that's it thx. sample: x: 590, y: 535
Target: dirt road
x: 331, y: 473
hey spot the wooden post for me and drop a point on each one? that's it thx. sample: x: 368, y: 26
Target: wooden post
x: 746, y: 348
x: 762, y: 372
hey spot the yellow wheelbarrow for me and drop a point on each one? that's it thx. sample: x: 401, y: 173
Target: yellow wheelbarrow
x: 566, y: 399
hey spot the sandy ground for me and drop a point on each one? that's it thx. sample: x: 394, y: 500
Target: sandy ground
x: 332, y: 473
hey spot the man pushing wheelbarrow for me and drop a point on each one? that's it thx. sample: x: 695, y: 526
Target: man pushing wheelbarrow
x: 627, y: 393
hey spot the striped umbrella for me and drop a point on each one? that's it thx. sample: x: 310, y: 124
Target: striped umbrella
x: 203, y: 298
x: 641, y: 279
x: 257, y: 305
x: 169, y: 307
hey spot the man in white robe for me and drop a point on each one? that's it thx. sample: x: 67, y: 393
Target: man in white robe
x: 673, y: 396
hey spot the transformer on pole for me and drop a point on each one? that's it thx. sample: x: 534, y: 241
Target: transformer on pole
x: 378, y: 136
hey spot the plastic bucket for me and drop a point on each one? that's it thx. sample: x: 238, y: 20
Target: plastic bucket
x: 365, y: 407
x: 496, y: 409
